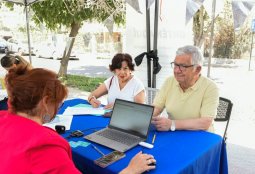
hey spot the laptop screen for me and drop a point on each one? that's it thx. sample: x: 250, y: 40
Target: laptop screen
x: 131, y: 117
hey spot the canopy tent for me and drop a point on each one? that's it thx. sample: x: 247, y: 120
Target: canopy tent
x: 26, y: 3
x: 23, y: 2
x: 240, y: 6
x: 241, y: 9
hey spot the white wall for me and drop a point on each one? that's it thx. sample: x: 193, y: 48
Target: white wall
x: 172, y: 33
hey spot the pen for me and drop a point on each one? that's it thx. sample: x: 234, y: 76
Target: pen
x: 154, y: 137
x: 99, y: 151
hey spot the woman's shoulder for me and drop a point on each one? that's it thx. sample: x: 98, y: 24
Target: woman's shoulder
x: 111, y: 79
x: 52, y: 136
x: 45, y: 136
x: 136, y: 79
x: 138, y: 83
x: 29, y: 129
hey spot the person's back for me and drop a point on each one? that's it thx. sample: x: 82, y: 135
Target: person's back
x: 27, y: 147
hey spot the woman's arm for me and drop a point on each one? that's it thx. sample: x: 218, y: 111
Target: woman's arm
x: 100, y: 91
x: 140, y: 97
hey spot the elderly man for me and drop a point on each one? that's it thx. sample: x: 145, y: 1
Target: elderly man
x: 190, y: 99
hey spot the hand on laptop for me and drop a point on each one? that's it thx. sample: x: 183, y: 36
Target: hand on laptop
x: 139, y: 164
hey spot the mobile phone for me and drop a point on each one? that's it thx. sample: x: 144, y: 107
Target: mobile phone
x: 76, y: 133
x: 108, y: 159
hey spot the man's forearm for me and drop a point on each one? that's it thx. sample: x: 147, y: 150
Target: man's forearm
x: 194, y: 124
x: 157, y: 111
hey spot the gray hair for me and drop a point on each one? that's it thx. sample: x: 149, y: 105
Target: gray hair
x: 195, y: 52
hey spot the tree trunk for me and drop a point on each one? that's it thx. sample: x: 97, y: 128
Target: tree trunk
x: 67, y: 52
x: 199, y: 39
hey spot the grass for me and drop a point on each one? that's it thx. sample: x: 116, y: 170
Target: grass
x: 83, y: 83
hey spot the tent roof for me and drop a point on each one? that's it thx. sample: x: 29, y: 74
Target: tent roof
x: 23, y: 2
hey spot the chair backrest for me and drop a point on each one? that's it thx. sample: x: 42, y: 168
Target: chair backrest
x: 223, y: 112
x: 150, y: 95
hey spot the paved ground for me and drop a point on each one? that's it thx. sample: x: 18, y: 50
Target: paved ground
x: 235, y: 82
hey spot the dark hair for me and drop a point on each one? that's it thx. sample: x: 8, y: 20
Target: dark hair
x: 119, y: 58
x: 9, y: 60
x: 26, y: 88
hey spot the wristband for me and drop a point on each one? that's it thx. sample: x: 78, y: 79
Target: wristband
x: 172, y: 128
x: 91, y: 98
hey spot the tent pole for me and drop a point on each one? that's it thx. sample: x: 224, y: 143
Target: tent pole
x: 28, y: 33
x: 148, y: 34
x: 251, y: 50
x: 211, y: 38
x: 155, y: 41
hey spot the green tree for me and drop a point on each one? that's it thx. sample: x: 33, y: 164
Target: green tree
x: 227, y: 42
x: 224, y: 33
x: 242, y: 42
x: 72, y: 13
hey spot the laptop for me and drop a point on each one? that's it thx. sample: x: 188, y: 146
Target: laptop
x: 128, y: 126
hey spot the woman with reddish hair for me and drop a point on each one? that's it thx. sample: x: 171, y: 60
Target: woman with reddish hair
x: 34, y: 98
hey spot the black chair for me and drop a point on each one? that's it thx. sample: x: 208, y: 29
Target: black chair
x: 223, y: 113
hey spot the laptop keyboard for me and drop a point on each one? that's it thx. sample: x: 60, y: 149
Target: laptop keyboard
x: 119, y: 137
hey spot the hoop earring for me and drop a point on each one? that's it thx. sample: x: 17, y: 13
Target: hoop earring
x: 46, y: 118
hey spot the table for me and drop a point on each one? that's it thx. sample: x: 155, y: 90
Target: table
x: 196, y: 152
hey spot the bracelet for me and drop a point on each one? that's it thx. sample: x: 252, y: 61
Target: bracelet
x: 91, y: 98
x: 173, y: 127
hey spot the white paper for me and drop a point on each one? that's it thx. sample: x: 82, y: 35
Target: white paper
x: 84, y: 111
x: 64, y: 120
x: 3, y: 94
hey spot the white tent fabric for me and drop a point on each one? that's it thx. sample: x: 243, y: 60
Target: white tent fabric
x: 134, y: 4
x: 150, y: 2
x: 241, y: 9
x: 191, y: 8
x: 23, y: 2
x: 109, y: 23
x: 208, y: 7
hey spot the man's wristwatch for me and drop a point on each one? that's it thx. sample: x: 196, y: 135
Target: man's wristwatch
x: 172, y: 128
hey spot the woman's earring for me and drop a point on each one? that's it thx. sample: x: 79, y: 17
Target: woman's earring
x: 46, y: 118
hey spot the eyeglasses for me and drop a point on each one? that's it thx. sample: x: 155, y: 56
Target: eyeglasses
x: 180, y: 66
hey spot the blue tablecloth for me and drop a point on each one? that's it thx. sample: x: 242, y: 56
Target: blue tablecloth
x: 195, y: 152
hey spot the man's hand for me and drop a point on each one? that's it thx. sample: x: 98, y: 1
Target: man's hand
x: 161, y: 123
x: 139, y: 164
